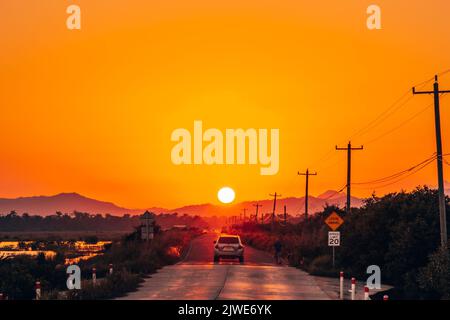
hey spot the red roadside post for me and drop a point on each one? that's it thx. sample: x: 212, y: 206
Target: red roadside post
x: 366, y: 293
x: 38, y: 290
x: 353, y: 288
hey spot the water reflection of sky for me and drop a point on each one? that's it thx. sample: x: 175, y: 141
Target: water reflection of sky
x: 77, y: 250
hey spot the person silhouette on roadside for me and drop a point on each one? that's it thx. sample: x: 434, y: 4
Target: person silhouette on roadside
x: 278, y: 246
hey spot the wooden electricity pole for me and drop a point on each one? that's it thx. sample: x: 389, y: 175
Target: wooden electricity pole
x: 437, y: 124
x: 257, y: 205
x: 306, y: 174
x: 245, y: 210
x: 274, y: 205
x: 349, y: 169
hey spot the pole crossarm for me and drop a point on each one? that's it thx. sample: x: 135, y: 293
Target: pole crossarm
x: 352, y: 148
x: 307, y: 173
x: 429, y: 92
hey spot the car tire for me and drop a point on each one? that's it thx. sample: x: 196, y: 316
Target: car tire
x: 241, y: 259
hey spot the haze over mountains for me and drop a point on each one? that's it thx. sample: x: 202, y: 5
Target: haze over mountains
x: 69, y: 202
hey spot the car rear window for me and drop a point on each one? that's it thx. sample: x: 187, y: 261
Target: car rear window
x: 228, y: 240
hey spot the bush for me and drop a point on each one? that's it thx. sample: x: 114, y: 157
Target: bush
x: 398, y: 232
x: 18, y: 276
x: 322, y: 266
x: 434, y: 278
x: 112, y: 286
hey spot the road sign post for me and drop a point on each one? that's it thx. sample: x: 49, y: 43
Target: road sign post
x: 334, y: 240
x: 147, y: 230
x: 333, y: 258
x: 334, y: 221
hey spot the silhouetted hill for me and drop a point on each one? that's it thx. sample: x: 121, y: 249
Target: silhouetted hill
x: 69, y: 202
x: 63, y: 202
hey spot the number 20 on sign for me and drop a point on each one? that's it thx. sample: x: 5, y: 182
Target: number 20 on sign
x: 334, y: 238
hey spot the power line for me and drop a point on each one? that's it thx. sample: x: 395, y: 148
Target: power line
x: 395, y: 175
x: 332, y: 195
x: 419, y: 85
x: 393, y: 108
x: 402, y: 178
x: 410, y: 170
x: 328, y: 155
x: 333, y: 164
x: 446, y: 161
x: 401, y: 124
x: 383, y: 116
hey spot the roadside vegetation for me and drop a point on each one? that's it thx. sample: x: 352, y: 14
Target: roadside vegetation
x: 131, y: 258
x: 398, y: 232
x: 82, y: 222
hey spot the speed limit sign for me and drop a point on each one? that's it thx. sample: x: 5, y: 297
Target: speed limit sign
x: 334, y: 238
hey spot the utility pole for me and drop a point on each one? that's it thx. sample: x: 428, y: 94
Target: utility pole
x: 285, y: 215
x: 245, y: 210
x: 437, y: 124
x: 268, y: 214
x: 306, y: 174
x: 274, y: 205
x: 257, y: 205
x: 349, y: 169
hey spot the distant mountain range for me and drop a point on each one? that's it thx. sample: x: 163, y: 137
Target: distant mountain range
x: 69, y: 202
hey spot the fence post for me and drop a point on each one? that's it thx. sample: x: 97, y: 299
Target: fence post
x: 38, y: 290
x: 110, y: 269
x: 341, y: 285
x: 366, y: 293
x: 353, y: 288
x: 94, y: 276
x: 385, y: 297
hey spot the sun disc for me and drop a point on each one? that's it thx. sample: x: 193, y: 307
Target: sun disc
x: 226, y: 195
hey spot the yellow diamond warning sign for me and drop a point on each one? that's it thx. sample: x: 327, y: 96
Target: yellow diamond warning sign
x: 334, y: 221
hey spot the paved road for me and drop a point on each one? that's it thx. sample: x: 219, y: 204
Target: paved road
x: 197, y: 277
x: 202, y: 251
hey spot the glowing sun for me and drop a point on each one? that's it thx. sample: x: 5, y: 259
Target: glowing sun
x: 226, y: 195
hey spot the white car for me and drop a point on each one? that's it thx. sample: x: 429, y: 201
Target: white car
x: 228, y: 246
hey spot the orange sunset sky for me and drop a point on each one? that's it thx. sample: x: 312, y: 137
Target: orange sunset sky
x: 92, y: 110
